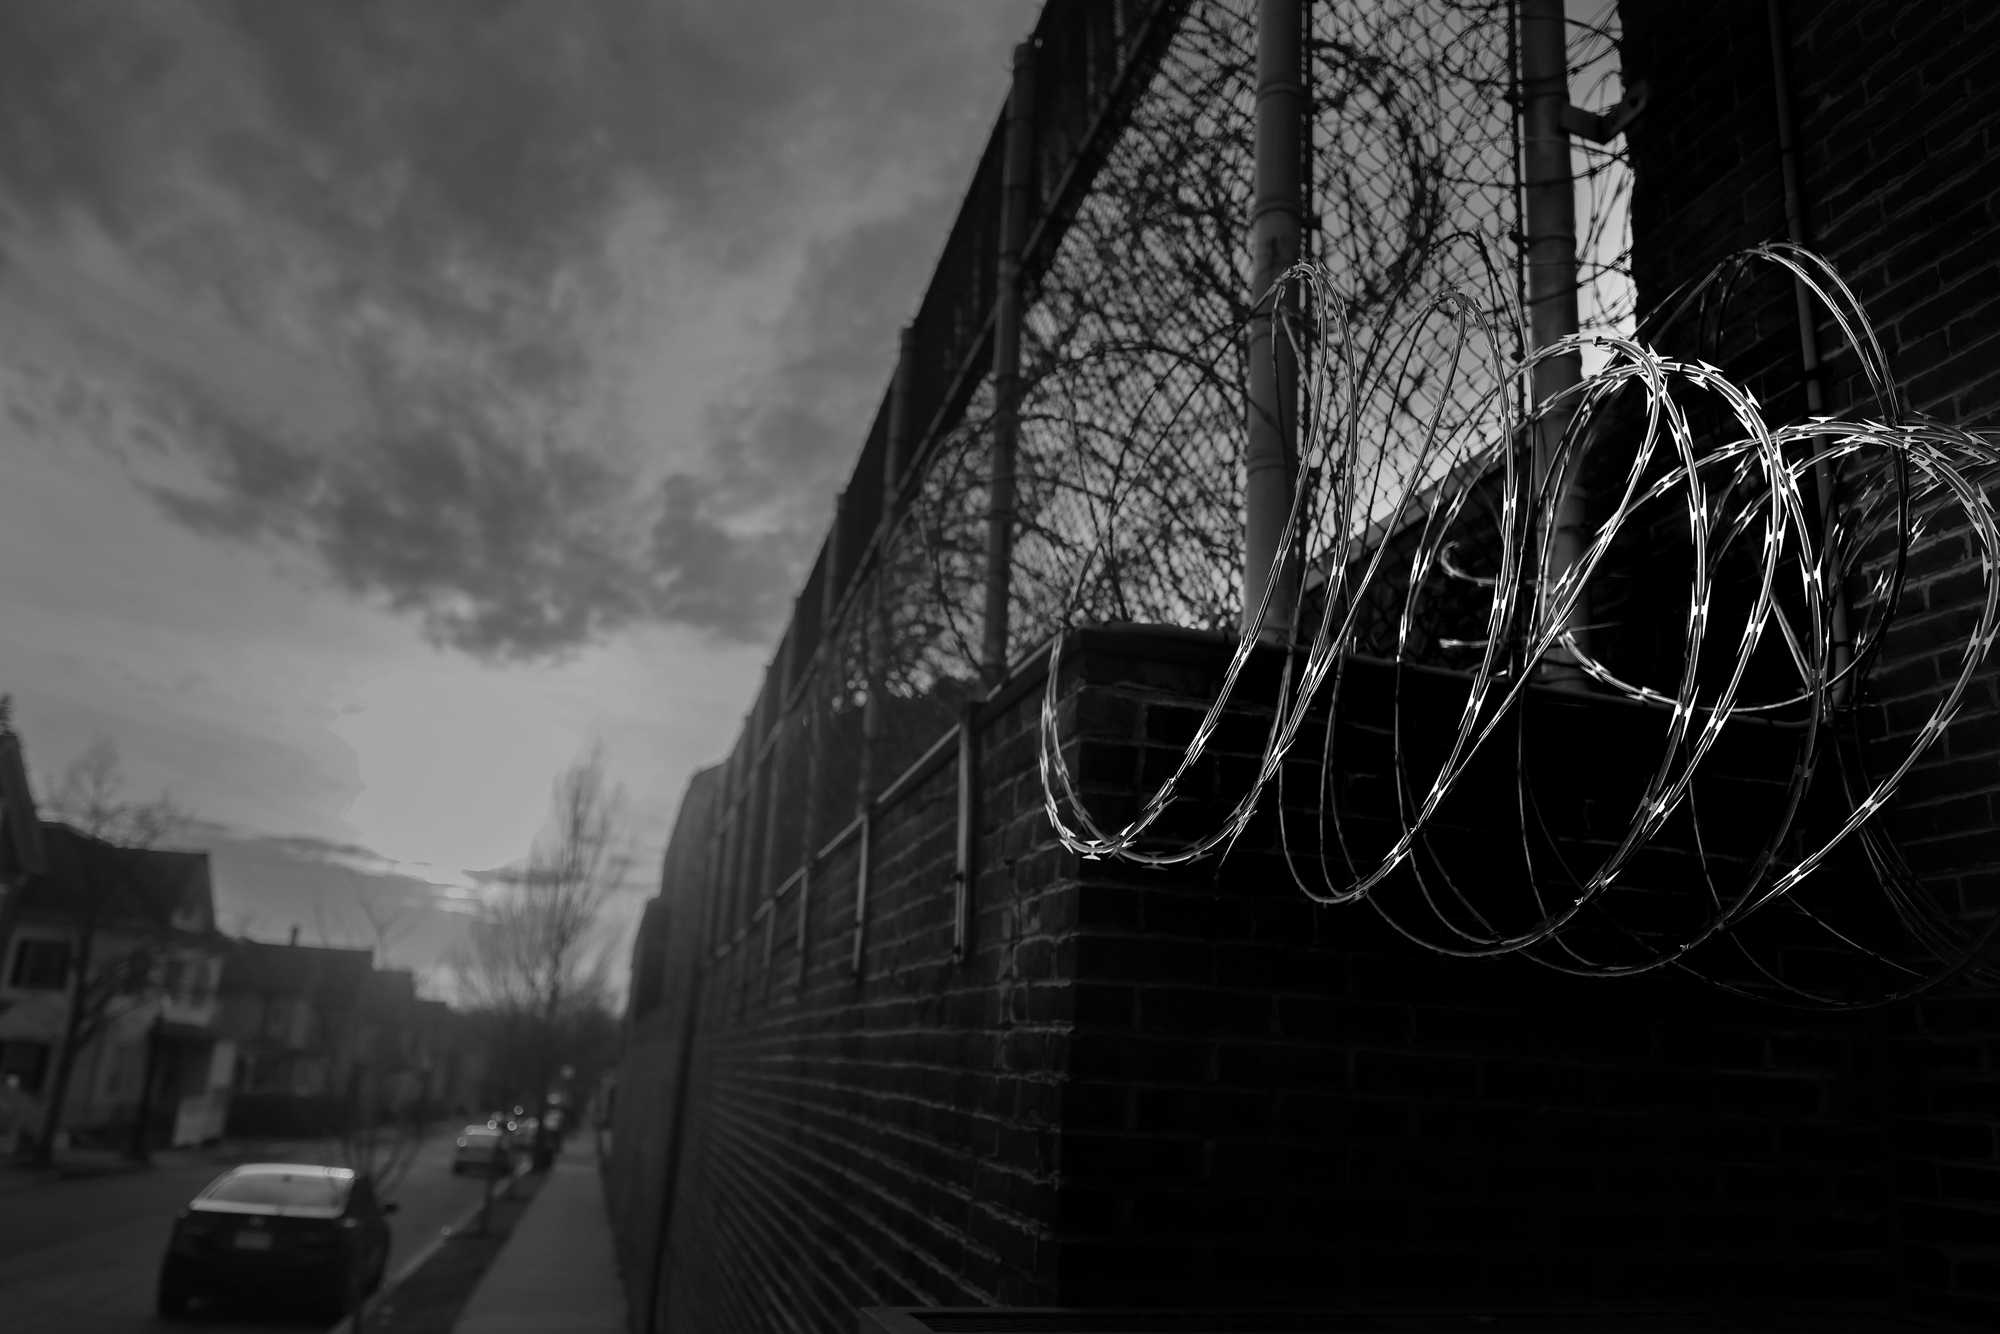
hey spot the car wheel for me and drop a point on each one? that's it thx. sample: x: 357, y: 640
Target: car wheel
x: 171, y: 1299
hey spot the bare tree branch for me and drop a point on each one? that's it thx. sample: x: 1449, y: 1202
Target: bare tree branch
x: 533, y: 958
x: 90, y: 798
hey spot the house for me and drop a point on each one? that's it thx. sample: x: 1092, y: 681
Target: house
x: 293, y: 1011
x: 117, y: 948
x: 20, y: 828
x: 389, y: 1075
x: 448, y: 1061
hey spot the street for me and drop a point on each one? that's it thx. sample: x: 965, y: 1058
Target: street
x: 81, y: 1256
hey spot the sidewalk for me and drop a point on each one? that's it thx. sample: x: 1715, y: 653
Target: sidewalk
x: 557, y: 1271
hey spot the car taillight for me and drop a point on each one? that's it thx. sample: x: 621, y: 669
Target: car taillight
x: 192, y: 1227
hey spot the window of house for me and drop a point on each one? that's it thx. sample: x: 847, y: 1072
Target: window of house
x: 170, y: 977
x: 276, y: 1017
x: 27, y: 1062
x: 40, y: 965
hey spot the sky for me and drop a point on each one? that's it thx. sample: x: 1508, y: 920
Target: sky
x: 397, y: 399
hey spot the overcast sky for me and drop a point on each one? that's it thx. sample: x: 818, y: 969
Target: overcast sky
x: 398, y: 397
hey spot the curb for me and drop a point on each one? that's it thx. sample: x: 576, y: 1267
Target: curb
x: 345, y: 1324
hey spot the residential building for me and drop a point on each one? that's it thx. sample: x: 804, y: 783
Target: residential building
x: 125, y: 939
x: 294, y: 1012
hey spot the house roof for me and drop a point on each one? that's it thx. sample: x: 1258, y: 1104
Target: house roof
x: 253, y: 966
x: 20, y: 829
x: 137, y: 886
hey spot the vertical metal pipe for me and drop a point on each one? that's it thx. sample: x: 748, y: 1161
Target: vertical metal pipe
x: 741, y: 831
x: 879, y: 627
x: 1016, y: 187
x: 1809, y: 360
x: 770, y: 874
x: 822, y: 669
x: 1277, y: 208
x: 1549, y: 189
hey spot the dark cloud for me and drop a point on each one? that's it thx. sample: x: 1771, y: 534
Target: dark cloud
x: 429, y: 190
x: 500, y: 548
x: 837, y: 346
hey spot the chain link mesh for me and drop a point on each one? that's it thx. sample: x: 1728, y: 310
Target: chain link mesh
x: 1129, y: 469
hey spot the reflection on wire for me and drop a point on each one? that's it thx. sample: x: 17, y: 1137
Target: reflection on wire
x: 1739, y: 493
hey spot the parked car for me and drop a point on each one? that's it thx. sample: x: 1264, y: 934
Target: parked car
x: 483, y: 1149
x: 278, y: 1229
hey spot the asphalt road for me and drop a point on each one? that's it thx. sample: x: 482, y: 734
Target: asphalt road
x: 81, y: 1256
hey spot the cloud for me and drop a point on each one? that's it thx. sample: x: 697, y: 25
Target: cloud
x: 356, y: 265
x: 332, y: 892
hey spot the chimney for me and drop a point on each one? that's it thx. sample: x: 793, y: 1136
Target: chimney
x: 295, y: 935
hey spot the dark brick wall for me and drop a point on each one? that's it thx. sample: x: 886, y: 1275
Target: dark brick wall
x: 886, y: 1138
x: 1274, y: 1102
x: 1192, y: 1086
x: 1898, y: 125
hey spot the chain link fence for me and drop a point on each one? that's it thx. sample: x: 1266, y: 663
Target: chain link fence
x: 1136, y: 302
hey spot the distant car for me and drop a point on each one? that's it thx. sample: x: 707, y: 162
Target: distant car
x: 279, y: 1229
x: 482, y: 1149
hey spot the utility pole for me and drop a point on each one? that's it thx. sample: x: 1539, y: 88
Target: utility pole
x: 1271, y: 451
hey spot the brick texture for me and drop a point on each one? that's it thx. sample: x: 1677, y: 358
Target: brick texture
x: 1897, y: 127
x: 1194, y: 1087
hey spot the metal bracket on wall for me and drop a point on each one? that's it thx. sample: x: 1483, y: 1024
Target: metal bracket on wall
x: 861, y: 892
x: 805, y: 904
x: 968, y: 839
x: 770, y: 940
x: 1601, y: 127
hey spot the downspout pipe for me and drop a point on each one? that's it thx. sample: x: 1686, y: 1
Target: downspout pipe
x: 1809, y: 358
x: 1550, y: 205
x: 1271, y: 450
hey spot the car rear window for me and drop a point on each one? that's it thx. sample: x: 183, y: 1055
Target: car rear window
x: 280, y: 1189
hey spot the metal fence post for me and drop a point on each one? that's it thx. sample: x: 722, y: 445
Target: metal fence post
x: 1549, y: 191
x: 1271, y: 449
x: 1016, y: 188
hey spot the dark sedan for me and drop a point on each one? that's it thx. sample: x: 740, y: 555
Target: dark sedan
x: 279, y: 1229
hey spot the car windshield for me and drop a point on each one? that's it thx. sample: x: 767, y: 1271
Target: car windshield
x: 280, y: 1189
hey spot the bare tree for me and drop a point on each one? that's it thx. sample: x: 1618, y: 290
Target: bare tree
x: 92, y: 800
x: 532, y: 957
x: 389, y: 922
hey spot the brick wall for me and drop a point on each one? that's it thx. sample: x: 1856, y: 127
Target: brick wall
x: 1273, y: 1102
x: 1193, y: 1087
x: 1897, y: 127
x: 886, y: 1136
